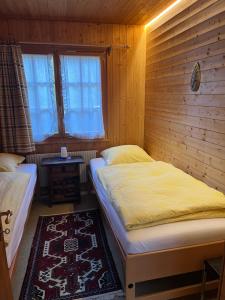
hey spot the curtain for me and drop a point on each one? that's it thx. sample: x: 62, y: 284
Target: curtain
x: 39, y: 71
x: 82, y: 96
x: 15, y: 127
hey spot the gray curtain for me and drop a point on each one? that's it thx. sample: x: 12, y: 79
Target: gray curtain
x: 15, y: 125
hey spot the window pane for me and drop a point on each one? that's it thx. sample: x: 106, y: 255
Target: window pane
x: 82, y: 96
x: 39, y: 72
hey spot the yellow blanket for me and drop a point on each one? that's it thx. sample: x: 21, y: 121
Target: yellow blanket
x: 154, y: 193
x: 12, y: 190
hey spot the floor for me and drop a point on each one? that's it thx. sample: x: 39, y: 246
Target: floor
x: 38, y: 209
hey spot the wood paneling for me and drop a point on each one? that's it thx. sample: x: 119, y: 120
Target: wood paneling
x: 96, y: 11
x: 183, y: 127
x: 5, y: 284
x: 126, y: 73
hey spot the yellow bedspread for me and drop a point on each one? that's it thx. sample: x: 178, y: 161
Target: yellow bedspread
x: 148, y: 194
x: 12, y: 190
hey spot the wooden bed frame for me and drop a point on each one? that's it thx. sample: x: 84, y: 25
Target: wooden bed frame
x: 5, y: 284
x: 148, y: 266
x: 13, y: 264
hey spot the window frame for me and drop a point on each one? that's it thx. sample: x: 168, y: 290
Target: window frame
x: 56, y: 51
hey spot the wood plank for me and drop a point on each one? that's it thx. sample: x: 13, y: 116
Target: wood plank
x: 211, y: 62
x: 215, y: 74
x: 95, y: 11
x: 160, y: 263
x: 207, y: 38
x: 206, y: 20
x: 200, y: 53
x: 183, y: 127
x: 209, y: 136
x: 216, y: 113
x: 203, y: 123
x: 174, y: 11
x: 207, y: 88
x: 182, y: 16
x: 189, y: 164
x: 201, y: 100
x: 179, y: 292
x: 195, y: 148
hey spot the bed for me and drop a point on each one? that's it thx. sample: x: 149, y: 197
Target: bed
x: 22, y: 215
x: 159, y: 251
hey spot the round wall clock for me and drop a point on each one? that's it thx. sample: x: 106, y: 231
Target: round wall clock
x: 196, y: 78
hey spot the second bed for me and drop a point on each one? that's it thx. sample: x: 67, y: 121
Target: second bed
x: 155, y: 246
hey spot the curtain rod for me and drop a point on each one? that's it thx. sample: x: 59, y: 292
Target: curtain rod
x: 122, y: 46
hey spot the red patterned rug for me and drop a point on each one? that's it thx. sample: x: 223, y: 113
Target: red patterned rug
x: 70, y: 259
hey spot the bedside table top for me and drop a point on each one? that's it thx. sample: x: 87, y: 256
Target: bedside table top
x: 56, y: 161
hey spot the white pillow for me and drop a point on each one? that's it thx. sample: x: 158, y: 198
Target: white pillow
x: 9, y: 162
x: 125, y: 154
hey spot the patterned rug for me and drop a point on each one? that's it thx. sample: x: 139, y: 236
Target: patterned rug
x: 70, y: 259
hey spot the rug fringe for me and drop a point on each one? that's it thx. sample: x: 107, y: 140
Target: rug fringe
x: 116, y: 295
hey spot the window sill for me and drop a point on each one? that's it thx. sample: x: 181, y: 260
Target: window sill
x: 70, y: 140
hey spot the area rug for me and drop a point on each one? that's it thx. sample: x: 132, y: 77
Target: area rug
x: 70, y: 259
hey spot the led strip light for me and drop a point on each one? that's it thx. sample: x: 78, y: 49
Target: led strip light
x: 162, y: 13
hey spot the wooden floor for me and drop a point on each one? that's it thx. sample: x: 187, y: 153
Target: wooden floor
x: 38, y: 209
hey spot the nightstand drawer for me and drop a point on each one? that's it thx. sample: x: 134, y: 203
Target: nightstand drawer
x: 55, y: 169
x: 71, y: 169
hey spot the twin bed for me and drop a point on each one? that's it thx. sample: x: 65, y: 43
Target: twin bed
x: 161, y: 237
x: 160, y: 251
x: 20, y: 210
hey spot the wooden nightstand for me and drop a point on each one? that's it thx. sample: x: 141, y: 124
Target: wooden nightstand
x: 63, y: 178
x: 221, y: 294
x: 211, y: 265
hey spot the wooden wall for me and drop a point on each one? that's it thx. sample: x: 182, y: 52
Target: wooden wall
x: 126, y: 72
x: 94, y: 11
x: 183, y: 127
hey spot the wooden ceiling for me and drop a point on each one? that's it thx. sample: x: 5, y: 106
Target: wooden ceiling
x: 93, y: 11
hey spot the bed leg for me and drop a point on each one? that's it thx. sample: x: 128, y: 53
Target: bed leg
x: 130, y: 291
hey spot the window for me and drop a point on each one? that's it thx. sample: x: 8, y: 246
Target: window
x: 82, y: 95
x: 39, y: 74
x: 65, y: 94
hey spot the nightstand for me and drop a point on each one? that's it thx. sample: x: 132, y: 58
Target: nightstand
x: 63, y: 179
x: 211, y: 265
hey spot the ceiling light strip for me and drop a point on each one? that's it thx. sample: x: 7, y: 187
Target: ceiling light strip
x: 169, y: 8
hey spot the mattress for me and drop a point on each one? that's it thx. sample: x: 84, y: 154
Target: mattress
x: 161, y: 237
x: 17, y: 232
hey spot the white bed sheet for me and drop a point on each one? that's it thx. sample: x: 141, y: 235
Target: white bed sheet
x: 18, y: 229
x: 159, y: 237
